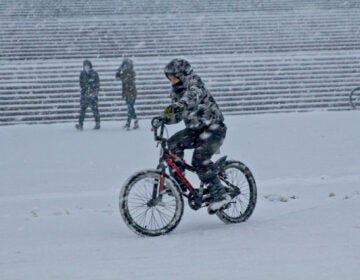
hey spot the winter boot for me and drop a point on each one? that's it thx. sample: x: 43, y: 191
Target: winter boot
x: 97, y: 125
x: 136, y: 124
x: 219, y: 203
x: 79, y: 126
x: 220, y: 198
x: 127, y: 125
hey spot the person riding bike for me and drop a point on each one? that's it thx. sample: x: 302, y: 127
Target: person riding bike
x: 205, y: 129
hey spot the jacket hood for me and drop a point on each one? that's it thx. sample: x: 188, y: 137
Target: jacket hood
x: 87, y: 62
x: 180, y: 68
x: 127, y: 64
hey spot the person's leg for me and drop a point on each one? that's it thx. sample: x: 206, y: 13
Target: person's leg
x: 184, y: 139
x: 83, y: 106
x: 208, y: 143
x: 132, y: 113
x: 95, y: 110
x: 129, y: 114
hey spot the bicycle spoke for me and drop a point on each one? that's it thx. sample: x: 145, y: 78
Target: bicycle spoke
x: 239, y: 203
x: 163, y: 217
x: 148, y: 214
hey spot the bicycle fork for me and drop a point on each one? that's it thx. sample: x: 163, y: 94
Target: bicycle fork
x: 158, y: 189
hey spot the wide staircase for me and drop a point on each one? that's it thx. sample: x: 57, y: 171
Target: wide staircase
x: 255, y: 56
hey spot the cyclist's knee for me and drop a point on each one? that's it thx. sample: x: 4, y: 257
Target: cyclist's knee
x: 173, y: 144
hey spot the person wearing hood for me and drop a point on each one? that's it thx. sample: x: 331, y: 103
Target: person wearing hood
x: 204, y: 130
x: 126, y: 74
x: 89, y: 91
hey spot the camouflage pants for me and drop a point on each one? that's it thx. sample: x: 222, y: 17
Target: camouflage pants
x: 205, y: 143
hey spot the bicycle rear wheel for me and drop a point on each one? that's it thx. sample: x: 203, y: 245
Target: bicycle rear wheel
x: 242, y: 205
x: 148, y: 216
x: 355, y: 98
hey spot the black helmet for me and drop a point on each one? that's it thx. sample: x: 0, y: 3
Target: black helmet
x: 87, y: 62
x: 178, y: 68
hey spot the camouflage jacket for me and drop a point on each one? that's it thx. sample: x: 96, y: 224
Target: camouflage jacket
x: 201, y: 108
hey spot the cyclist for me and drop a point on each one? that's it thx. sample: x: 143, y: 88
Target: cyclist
x: 205, y: 129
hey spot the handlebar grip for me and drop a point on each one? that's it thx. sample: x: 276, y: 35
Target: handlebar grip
x: 157, y: 123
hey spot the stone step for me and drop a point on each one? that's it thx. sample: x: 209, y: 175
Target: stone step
x: 255, y: 56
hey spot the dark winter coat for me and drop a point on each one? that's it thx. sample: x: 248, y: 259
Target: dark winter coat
x: 89, y: 83
x: 126, y: 74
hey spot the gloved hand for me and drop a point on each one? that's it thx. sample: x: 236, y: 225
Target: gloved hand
x: 118, y: 75
x: 173, y: 112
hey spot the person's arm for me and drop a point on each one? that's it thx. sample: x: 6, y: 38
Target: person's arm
x: 97, y: 84
x: 118, y: 74
x: 192, y: 98
x: 82, y: 83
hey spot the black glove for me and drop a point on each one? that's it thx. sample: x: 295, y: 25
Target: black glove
x: 118, y: 74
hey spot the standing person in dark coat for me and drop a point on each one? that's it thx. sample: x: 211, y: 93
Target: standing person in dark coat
x: 126, y: 74
x: 89, y: 89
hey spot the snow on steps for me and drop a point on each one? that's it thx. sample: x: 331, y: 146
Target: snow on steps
x: 267, y: 56
x: 48, y: 90
x: 159, y: 35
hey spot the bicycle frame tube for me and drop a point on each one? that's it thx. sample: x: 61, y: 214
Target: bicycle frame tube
x: 161, y: 184
x: 179, y: 173
x: 158, y: 186
x: 167, y: 155
x: 187, y: 166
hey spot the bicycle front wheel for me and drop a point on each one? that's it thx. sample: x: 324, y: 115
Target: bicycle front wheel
x: 145, y: 210
x: 238, y: 175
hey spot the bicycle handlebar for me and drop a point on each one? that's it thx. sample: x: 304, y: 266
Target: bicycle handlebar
x: 155, y: 127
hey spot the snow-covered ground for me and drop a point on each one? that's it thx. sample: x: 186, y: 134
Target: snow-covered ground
x: 59, y: 215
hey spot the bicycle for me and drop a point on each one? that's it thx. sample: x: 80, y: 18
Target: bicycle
x: 354, y: 98
x: 151, y: 201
